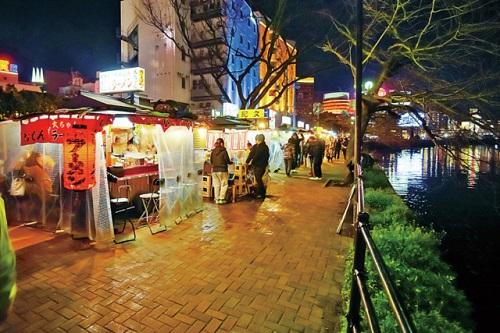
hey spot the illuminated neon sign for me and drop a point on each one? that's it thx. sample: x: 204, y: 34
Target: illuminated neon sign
x: 6, y: 66
x: 122, y: 80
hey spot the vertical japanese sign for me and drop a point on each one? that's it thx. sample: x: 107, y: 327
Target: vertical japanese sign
x: 79, y: 160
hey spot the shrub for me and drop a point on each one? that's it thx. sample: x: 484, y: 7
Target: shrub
x: 412, y: 255
x: 375, y: 178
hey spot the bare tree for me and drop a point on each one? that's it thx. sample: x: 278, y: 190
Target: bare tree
x: 214, y: 63
x: 444, y: 52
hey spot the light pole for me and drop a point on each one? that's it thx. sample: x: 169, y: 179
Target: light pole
x: 359, y: 79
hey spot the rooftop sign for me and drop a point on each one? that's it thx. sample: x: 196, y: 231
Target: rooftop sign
x: 122, y: 80
x: 6, y: 66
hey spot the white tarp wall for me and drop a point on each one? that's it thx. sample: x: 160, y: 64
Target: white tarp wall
x: 179, y: 195
x: 275, y: 140
x: 235, y: 142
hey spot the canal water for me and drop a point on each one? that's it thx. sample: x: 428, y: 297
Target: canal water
x: 461, y: 197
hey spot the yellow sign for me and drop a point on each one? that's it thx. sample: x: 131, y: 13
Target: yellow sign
x: 200, y: 138
x: 251, y: 114
x: 4, y: 65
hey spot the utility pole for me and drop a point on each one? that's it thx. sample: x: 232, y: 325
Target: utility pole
x: 353, y: 315
x: 358, y: 137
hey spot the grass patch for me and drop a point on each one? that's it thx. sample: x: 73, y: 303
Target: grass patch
x: 427, y: 284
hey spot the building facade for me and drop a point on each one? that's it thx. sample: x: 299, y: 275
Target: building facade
x: 224, y: 40
x: 282, y: 49
x: 167, y: 68
x: 304, y: 99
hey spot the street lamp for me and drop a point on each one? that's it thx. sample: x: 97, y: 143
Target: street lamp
x: 368, y: 85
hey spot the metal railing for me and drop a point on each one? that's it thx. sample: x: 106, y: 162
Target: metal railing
x: 359, y: 291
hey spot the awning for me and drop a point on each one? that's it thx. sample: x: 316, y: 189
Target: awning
x: 97, y: 102
x: 226, y: 122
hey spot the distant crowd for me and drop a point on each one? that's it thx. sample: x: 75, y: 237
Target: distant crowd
x: 296, y: 152
x: 313, y: 151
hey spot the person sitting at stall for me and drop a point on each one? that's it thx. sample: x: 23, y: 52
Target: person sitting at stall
x: 259, y: 160
x: 38, y: 185
x: 131, y: 147
x: 219, y: 158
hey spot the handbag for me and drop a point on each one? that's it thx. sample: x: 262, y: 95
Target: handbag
x: 18, y: 184
x: 18, y: 187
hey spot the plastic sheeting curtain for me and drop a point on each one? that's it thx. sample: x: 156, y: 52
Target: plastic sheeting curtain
x: 85, y: 214
x: 100, y: 195
x: 41, y: 164
x: 179, y: 195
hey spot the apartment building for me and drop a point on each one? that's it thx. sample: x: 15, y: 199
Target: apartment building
x: 167, y: 68
x: 224, y: 39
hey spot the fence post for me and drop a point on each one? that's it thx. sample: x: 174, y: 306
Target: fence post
x: 353, y: 316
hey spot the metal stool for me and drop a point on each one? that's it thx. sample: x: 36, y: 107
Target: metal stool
x: 121, y: 205
x: 151, y: 201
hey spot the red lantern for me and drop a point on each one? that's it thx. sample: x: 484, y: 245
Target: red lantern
x: 79, y: 160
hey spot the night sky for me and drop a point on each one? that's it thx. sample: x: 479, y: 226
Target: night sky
x: 81, y: 35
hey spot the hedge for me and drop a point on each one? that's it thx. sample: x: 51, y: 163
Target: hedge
x: 426, y: 284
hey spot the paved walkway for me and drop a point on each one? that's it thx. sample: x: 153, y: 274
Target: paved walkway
x: 272, y: 266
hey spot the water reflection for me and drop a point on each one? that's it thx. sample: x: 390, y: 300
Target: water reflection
x: 406, y: 169
x: 457, y: 192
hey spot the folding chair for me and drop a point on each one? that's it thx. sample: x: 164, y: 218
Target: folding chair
x: 120, y: 206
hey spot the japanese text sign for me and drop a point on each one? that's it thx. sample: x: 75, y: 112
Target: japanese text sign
x: 252, y: 114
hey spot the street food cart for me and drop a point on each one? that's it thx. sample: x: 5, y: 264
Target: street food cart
x: 63, y: 161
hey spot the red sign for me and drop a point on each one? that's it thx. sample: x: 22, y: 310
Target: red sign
x: 79, y: 160
x: 55, y: 128
x: 164, y: 122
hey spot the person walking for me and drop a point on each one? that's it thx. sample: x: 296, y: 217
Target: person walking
x: 259, y: 160
x: 345, y: 143
x: 338, y: 146
x: 318, y: 154
x: 330, y: 148
x: 308, y: 153
x: 289, y: 155
x: 296, y: 143
x: 301, y: 149
x: 219, y: 158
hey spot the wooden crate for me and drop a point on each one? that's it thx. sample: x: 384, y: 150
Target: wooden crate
x: 207, y: 192
x: 240, y: 179
x: 206, y: 180
x: 240, y: 169
x: 238, y: 190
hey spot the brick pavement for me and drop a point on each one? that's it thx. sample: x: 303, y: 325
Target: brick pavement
x: 272, y: 266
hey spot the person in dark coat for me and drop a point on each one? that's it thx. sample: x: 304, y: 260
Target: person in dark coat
x: 219, y: 158
x: 259, y: 160
x: 296, y: 144
x: 317, y: 151
x: 345, y: 143
x: 337, y: 147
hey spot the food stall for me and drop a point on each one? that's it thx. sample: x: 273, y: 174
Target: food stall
x: 69, y: 155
